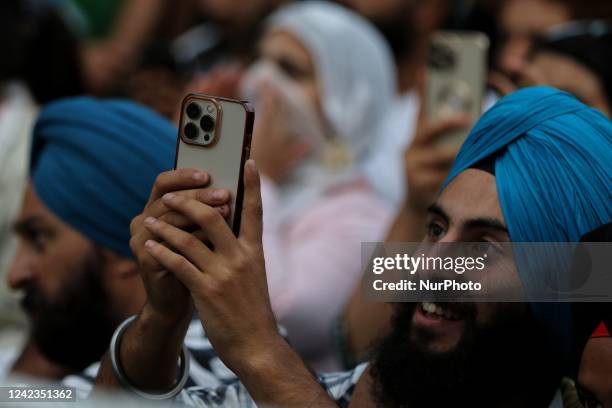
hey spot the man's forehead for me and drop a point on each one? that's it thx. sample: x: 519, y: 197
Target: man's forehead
x: 34, y: 213
x: 533, y: 16
x: 472, y: 194
x: 32, y: 206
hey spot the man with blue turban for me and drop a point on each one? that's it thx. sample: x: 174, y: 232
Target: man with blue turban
x: 93, y: 163
x: 536, y: 168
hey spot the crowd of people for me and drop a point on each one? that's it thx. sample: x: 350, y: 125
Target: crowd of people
x: 111, y: 289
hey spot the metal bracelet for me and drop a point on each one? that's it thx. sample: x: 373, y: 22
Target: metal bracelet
x: 115, y: 348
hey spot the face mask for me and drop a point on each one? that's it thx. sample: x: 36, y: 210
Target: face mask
x: 297, y: 116
x: 296, y: 113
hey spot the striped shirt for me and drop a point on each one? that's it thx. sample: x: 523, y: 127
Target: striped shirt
x: 212, y: 384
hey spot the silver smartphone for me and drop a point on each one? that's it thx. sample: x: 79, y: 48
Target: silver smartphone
x: 457, y: 69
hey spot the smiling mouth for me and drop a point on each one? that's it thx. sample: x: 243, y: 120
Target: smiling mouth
x: 438, y: 311
x: 438, y: 327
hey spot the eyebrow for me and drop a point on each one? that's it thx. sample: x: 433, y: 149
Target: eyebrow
x: 435, y: 209
x: 490, y: 223
x: 480, y: 222
x: 27, y: 224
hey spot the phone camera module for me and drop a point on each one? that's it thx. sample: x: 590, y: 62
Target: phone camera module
x: 441, y: 56
x: 193, y: 111
x: 207, y: 123
x: 190, y: 131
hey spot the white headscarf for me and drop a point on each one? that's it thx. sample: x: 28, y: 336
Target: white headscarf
x: 354, y: 66
x: 356, y: 76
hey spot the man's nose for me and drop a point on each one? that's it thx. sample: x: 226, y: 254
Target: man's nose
x: 21, y: 272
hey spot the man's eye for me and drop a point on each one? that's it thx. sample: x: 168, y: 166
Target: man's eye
x: 41, y: 239
x: 38, y: 239
x: 587, y: 399
x: 434, y: 230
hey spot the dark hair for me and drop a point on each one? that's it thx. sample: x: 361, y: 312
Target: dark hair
x: 587, y: 9
x: 587, y: 42
x: 15, y: 32
x: 39, y: 50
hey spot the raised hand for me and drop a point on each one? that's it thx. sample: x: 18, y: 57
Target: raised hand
x: 166, y: 296
x: 228, y: 283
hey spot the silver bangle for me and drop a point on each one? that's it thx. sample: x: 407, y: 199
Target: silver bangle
x: 115, y: 347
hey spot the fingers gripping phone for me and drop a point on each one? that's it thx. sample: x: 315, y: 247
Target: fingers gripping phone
x: 457, y: 69
x: 215, y: 136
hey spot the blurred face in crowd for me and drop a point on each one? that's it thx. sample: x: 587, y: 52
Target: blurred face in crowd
x: 471, y: 351
x: 559, y: 71
x: 68, y: 285
x: 288, y: 102
x: 594, y: 379
x: 521, y: 21
x: 401, y: 21
x: 288, y: 54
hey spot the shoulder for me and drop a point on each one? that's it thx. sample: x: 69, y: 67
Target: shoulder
x: 339, y: 386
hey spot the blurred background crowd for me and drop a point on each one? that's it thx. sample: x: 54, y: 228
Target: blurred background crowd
x: 341, y: 136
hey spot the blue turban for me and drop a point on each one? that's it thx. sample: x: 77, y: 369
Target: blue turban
x: 94, y: 163
x: 553, y: 167
x: 553, y: 164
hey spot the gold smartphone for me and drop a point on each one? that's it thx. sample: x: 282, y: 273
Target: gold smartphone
x: 215, y: 136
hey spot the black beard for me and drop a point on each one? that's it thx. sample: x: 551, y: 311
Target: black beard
x: 75, y: 330
x: 486, y: 368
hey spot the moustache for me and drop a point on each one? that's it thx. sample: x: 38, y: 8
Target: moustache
x: 34, y: 300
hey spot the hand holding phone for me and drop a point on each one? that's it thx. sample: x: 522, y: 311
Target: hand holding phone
x: 456, y: 78
x: 215, y: 136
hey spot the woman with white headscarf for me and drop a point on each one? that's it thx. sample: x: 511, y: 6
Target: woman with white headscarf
x: 324, y: 79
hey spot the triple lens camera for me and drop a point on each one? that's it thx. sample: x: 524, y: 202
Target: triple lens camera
x: 200, y: 122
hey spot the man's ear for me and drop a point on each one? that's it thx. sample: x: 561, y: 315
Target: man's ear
x: 119, y: 266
